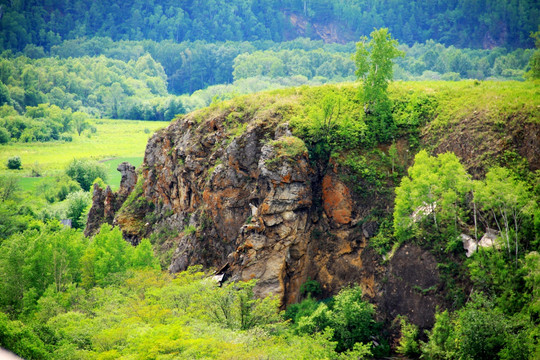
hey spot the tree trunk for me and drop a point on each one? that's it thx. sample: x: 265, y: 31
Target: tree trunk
x: 475, y: 224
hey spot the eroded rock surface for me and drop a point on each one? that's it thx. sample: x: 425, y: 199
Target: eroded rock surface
x: 244, y: 196
x: 411, y: 286
x: 106, y: 203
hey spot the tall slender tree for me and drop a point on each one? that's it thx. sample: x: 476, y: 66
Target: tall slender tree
x: 374, y: 61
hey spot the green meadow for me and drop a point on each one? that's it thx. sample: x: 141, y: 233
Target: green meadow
x: 113, y: 142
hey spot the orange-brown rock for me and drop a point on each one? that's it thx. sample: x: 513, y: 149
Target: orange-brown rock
x: 337, y: 201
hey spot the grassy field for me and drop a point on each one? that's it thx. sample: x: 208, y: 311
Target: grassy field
x: 114, y: 177
x: 113, y: 142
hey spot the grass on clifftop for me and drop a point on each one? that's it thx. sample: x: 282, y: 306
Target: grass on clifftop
x: 454, y: 100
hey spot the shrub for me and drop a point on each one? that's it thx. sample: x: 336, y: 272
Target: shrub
x: 14, y: 163
x: 5, y: 136
x: 19, y: 338
x: 85, y: 172
x: 235, y: 306
x: 311, y: 288
x: 408, y: 345
x: 295, y: 312
x: 78, y: 202
x: 351, y: 319
x: 190, y: 229
x: 66, y: 138
x: 37, y: 170
x: 100, y: 183
x: 479, y: 331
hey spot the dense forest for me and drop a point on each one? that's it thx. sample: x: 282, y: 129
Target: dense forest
x: 462, y: 23
x: 137, y: 79
x: 151, y: 61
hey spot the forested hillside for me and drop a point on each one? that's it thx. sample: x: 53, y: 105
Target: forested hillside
x: 99, y: 86
x: 476, y: 24
x: 137, y: 79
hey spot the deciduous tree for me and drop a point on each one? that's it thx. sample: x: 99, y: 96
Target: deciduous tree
x: 374, y: 61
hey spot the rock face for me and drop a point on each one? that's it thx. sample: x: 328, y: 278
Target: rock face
x: 105, y: 203
x: 129, y: 179
x: 411, y: 286
x: 230, y: 188
x: 244, y: 197
x: 489, y: 240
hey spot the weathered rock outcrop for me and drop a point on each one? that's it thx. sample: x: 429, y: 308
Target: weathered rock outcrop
x: 411, y: 286
x: 106, y: 203
x: 229, y: 187
x: 246, y: 197
x: 252, y: 201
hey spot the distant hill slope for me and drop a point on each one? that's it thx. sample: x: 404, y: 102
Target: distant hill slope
x: 474, y: 24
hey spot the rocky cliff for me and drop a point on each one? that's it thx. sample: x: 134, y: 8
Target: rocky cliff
x: 232, y: 188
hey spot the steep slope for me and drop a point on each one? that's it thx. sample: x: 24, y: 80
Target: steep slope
x: 243, y: 187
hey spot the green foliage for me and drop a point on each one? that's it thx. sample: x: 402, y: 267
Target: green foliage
x: 494, y: 275
x: 414, y: 109
x: 286, y: 148
x: 311, y: 288
x: 440, y: 344
x: 85, y: 172
x: 289, y: 146
x: 315, y: 64
x: 5, y: 136
x: 99, y: 183
x: 190, y: 229
x: 480, y: 331
x: 330, y: 122
x: 13, y: 218
x: 9, y: 186
x: 236, y: 307
x: 29, y: 28
x: 80, y: 122
x: 57, y: 188
x: 78, y: 204
x: 142, y: 257
x: 436, y: 188
x: 296, y: 311
x: 39, y: 123
x: 367, y: 171
x: 107, y: 254
x: 77, y: 88
x: 532, y: 280
x: 350, y: 317
x: 534, y: 62
x: 506, y: 202
x: 353, y: 318
x: 408, y: 344
x: 20, y: 339
x: 34, y: 260
x: 108, y: 257
x: 14, y: 163
x: 382, y: 242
